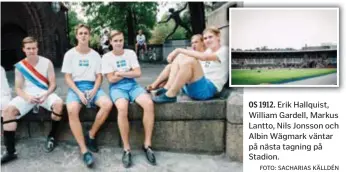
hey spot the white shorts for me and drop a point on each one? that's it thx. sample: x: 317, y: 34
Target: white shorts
x: 24, y: 107
x: 4, y: 102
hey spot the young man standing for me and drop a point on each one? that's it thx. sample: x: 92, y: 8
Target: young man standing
x: 34, y: 84
x: 121, y: 67
x: 82, y: 68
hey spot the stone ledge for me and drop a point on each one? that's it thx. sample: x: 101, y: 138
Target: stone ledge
x: 234, y: 142
x: 235, y: 107
x: 180, y: 136
x: 187, y: 110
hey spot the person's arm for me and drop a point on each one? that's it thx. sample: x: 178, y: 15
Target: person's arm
x: 51, y: 81
x: 203, y: 56
x: 134, y: 73
x: 113, y: 77
x: 182, y: 8
x: 98, y: 81
x: 19, y: 82
x: 51, y: 78
x: 165, y: 21
x: 70, y: 83
x: 67, y: 69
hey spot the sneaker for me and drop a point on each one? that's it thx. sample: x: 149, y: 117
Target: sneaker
x: 164, y: 99
x: 127, y: 159
x: 160, y: 91
x: 88, y: 159
x: 7, y: 157
x: 91, y: 143
x: 50, y: 144
x: 149, y: 153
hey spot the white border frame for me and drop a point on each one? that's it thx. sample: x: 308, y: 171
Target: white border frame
x: 285, y: 8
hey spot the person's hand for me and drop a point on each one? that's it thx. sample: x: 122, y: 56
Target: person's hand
x: 82, y: 98
x: 43, y: 97
x: 92, y: 93
x: 171, y: 56
x: 33, y: 99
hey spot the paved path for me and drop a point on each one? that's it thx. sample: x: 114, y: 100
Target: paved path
x: 66, y: 157
x: 330, y: 79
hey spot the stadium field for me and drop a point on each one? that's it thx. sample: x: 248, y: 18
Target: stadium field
x: 274, y: 76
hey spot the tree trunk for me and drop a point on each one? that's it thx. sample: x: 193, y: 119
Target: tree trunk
x: 130, y: 27
x: 197, y: 17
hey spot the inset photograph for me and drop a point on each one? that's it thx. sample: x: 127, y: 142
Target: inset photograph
x: 284, y: 47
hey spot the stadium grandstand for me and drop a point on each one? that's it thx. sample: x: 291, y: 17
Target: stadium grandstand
x: 324, y: 56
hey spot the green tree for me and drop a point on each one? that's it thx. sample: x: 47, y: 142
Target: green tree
x: 72, y: 22
x: 128, y: 17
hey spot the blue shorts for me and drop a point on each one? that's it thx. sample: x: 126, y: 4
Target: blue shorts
x: 202, y: 89
x: 83, y: 86
x: 128, y: 90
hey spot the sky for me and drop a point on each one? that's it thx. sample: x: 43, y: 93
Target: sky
x: 282, y: 28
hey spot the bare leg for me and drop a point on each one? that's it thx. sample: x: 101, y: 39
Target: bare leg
x: 136, y: 47
x: 190, y: 70
x: 10, y: 113
x: 73, y: 110
x: 147, y: 104
x: 105, y: 105
x: 123, y: 121
x: 161, y: 78
x: 173, y: 73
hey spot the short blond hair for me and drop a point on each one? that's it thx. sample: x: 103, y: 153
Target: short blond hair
x: 28, y: 40
x: 81, y: 26
x: 199, y: 36
x: 115, y: 33
x: 213, y: 30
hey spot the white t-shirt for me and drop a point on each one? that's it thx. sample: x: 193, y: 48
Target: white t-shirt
x: 140, y: 39
x: 217, y: 71
x: 83, y: 67
x: 5, y: 90
x: 115, y: 63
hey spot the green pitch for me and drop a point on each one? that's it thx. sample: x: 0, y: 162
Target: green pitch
x: 269, y: 76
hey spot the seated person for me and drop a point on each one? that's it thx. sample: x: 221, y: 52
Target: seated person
x: 202, y: 75
x: 160, y: 84
x: 140, y: 41
x: 121, y: 67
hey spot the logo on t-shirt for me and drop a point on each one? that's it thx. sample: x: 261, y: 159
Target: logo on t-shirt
x: 206, y: 64
x: 122, y: 65
x: 84, y: 63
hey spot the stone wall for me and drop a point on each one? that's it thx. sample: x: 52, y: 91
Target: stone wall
x: 234, y: 122
x: 219, y: 18
x: 21, y: 19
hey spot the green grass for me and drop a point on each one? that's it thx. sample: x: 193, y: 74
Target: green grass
x: 269, y: 76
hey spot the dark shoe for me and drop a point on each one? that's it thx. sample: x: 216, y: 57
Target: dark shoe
x: 149, y: 153
x: 91, y: 143
x: 160, y: 91
x: 50, y: 144
x: 164, y: 99
x: 7, y: 157
x: 127, y: 159
x: 88, y: 159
